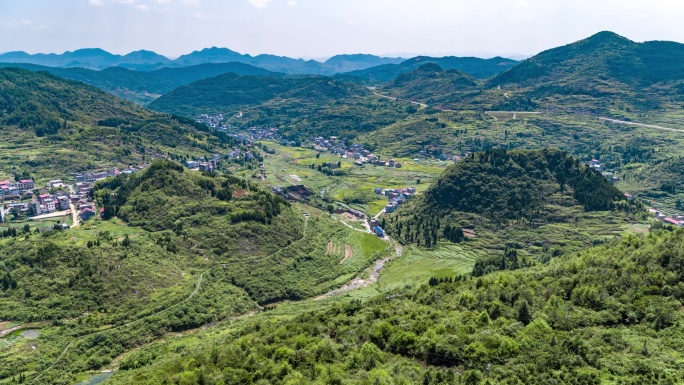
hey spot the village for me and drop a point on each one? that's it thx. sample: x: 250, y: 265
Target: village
x: 23, y: 200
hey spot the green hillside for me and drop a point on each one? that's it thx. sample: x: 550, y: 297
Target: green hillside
x: 232, y: 93
x: 54, y: 127
x: 429, y: 83
x: 175, y: 250
x: 609, y: 315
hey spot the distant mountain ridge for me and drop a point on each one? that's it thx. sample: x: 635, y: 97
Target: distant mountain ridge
x: 477, y: 67
x: 98, y: 59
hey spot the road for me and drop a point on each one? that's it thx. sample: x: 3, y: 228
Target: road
x: 640, y: 125
x: 393, y: 98
x: 51, y: 215
x: 358, y: 283
x: 74, y: 216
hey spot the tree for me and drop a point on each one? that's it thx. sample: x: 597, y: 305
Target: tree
x: 523, y: 313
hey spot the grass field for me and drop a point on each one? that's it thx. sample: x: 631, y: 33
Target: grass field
x: 417, y: 265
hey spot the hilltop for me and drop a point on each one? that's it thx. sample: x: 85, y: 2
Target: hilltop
x: 602, y: 67
x: 429, y: 82
x: 55, y: 127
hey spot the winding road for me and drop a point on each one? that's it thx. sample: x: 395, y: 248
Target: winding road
x: 640, y: 125
x: 393, y: 98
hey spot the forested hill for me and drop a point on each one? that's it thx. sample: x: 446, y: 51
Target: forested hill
x: 258, y: 237
x: 68, y: 126
x: 605, y: 63
x: 609, y: 315
x: 430, y: 82
x: 492, y: 188
x: 297, y: 105
x: 230, y: 93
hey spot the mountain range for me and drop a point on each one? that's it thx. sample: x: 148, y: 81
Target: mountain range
x: 97, y: 59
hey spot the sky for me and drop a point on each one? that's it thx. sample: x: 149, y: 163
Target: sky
x: 322, y: 28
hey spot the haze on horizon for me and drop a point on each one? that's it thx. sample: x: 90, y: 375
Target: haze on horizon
x: 323, y: 28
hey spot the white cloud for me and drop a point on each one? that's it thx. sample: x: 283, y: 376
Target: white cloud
x: 522, y: 4
x: 292, y: 3
x: 259, y: 3
x: 143, y: 7
x: 125, y: 1
x: 96, y: 2
x: 26, y: 22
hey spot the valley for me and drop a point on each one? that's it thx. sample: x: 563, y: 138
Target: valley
x: 429, y: 220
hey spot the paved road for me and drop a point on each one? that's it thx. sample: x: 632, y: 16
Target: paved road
x: 640, y: 125
x: 393, y: 98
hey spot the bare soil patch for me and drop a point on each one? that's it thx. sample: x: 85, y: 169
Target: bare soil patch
x: 348, y: 253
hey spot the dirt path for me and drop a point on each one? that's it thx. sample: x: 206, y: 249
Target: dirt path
x: 10, y: 330
x: 74, y: 216
x: 359, y: 283
x: 641, y: 125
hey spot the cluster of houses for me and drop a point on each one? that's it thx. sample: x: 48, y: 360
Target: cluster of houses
x: 355, y: 152
x: 203, y: 164
x: 396, y: 197
x: 61, y: 200
x: 674, y: 220
x: 263, y: 133
x: 237, y: 153
x: 95, y: 176
x: 13, y: 190
x: 213, y: 121
x: 55, y: 196
x: 375, y: 227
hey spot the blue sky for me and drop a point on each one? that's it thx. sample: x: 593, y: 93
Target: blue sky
x: 321, y: 28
